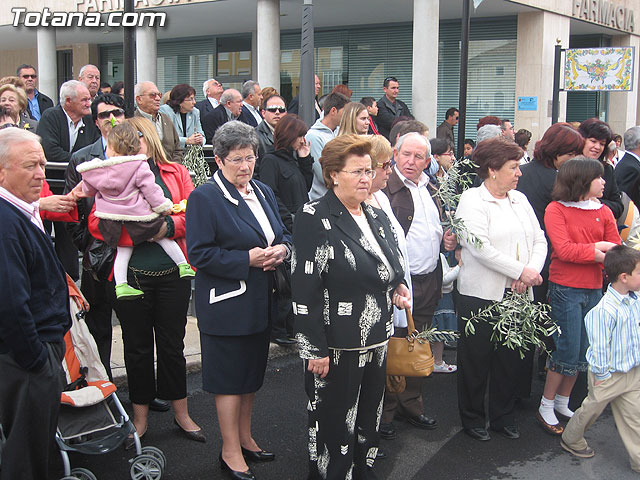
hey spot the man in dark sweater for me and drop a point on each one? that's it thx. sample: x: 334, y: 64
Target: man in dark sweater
x: 34, y: 313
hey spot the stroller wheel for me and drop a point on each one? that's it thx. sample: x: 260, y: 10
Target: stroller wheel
x: 83, y: 474
x: 146, y: 467
x: 69, y: 478
x: 155, y: 453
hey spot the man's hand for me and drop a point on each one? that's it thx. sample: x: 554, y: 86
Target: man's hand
x: 319, y: 366
x: 450, y: 241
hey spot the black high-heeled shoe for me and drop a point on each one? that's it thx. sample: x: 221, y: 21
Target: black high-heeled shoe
x: 235, y: 474
x: 259, y: 456
x: 196, y: 435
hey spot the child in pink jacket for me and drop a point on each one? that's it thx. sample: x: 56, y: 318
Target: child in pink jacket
x: 126, y: 195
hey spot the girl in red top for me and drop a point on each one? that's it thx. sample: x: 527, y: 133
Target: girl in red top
x: 581, y: 231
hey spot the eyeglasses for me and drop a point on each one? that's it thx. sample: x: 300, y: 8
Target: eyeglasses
x: 153, y: 94
x: 118, y: 112
x: 29, y: 76
x: 217, y: 84
x: 448, y: 154
x: 238, y: 160
x: 360, y: 172
x: 274, y: 109
x: 384, y: 165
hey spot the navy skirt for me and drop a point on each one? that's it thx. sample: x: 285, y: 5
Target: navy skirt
x: 234, y: 365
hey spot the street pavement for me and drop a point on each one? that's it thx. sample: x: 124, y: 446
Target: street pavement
x: 445, y: 453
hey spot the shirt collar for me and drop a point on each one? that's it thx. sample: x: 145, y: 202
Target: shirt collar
x: 71, y: 123
x: 146, y: 115
x: 619, y: 297
x: 422, y: 181
x: 250, y: 107
x: 31, y: 210
x: 633, y: 154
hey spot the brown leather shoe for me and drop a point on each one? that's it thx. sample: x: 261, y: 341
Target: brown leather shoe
x: 556, y: 429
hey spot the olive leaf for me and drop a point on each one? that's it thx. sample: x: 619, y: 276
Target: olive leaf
x: 517, y: 322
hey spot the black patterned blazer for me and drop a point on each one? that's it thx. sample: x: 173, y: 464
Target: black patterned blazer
x: 341, y: 289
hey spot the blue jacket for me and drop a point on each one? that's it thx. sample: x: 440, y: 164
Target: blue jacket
x: 193, y: 122
x: 231, y: 297
x: 34, y: 297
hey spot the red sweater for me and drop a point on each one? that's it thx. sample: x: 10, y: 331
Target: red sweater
x: 573, y: 233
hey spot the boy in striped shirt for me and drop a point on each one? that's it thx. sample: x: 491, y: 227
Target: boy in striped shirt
x: 614, y: 359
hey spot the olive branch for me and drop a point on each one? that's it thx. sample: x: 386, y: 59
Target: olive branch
x: 457, y: 177
x: 435, y: 335
x: 518, y: 323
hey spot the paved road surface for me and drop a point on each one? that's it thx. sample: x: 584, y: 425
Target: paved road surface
x: 442, y: 454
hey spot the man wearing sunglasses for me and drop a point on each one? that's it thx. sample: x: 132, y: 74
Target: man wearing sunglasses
x: 273, y: 110
x: 107, y: 110
x: 38, y: 102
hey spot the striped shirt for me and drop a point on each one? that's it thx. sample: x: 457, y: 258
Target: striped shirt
x: 613, y: 327
x: 31, y: 210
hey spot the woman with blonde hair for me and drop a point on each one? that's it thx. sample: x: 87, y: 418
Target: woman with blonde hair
x: 355, y: 120
x: 161, y: 313
x: 14, y: 99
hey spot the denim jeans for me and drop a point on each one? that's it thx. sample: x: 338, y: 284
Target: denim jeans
x: 568, y: 308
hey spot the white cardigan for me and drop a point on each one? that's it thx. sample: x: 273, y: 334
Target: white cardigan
x: 508, y: 245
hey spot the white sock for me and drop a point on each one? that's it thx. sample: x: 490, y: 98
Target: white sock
x: 546, y: 411
x: 561, y: 405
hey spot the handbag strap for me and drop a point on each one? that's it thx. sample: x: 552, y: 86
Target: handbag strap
x: 410, y: 324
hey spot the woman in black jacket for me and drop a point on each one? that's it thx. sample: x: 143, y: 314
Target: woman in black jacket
x: 287, y: 170
x: 347, y: 271
x: 597, y: 135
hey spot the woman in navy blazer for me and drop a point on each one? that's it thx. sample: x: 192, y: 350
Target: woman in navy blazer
x: 235, y: 238
x: 185, y: 118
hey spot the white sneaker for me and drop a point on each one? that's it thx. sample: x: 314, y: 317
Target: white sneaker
x: 444, y: 368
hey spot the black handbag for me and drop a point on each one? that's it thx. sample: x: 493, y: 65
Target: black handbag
x: 282, y: 279
x: 98, y: 259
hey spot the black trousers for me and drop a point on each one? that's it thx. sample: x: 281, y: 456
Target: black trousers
x: 344, y: 414
x: 101, y: 296
x: 427, y: 291
x: 29, y: 406
x: 161, y: 315
x: 480, y: 365
x: 67, y: 252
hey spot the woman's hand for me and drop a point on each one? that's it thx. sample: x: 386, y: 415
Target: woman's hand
x: 402, y: 297
x: 319, y: 366
x: 273, y: 256
x: 57, y: 203
x: 162, y: 233
x: 530, y: 277
x: 256, y: 257
x: 195, y: 139
x: 518, y: 286
x: 458, y: 255
x: 303, y: 149
x: 604, y: 247
x: 599, y: 256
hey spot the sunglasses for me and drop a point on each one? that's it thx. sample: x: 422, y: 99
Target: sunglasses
x: 118, y: 112
x: 30, y: 76
x: 384, y: 165
x: 276, y: 109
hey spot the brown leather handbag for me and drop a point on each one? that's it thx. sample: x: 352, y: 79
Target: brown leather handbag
x: 409, y: 356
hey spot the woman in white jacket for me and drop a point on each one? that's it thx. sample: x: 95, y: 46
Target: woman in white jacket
x: 512, y: 255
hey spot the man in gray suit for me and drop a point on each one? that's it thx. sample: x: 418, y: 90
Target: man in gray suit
x: 148, y: 101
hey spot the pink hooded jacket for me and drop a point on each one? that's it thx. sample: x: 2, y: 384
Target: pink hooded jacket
x: 125, y: 189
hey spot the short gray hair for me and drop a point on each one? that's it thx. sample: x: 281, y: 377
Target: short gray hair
x: 632, y: 138
x: 84, y: 69
x: 248, y: 88
x: 233, y: 135
x: 138, y: 90
x: 488, y: 131
x: 420, y: 137
x: 205, y: 86
x: 69, y: 90
x: 228, y: 95
x: 11, y: 138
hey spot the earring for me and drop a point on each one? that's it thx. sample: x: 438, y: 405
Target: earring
x: 335, y: 182
x: 494, y: 177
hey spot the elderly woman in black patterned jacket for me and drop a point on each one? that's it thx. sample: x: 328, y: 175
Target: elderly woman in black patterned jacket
x: 347, y: 273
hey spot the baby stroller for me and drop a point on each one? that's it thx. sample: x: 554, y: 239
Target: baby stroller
x: 92, y: 420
